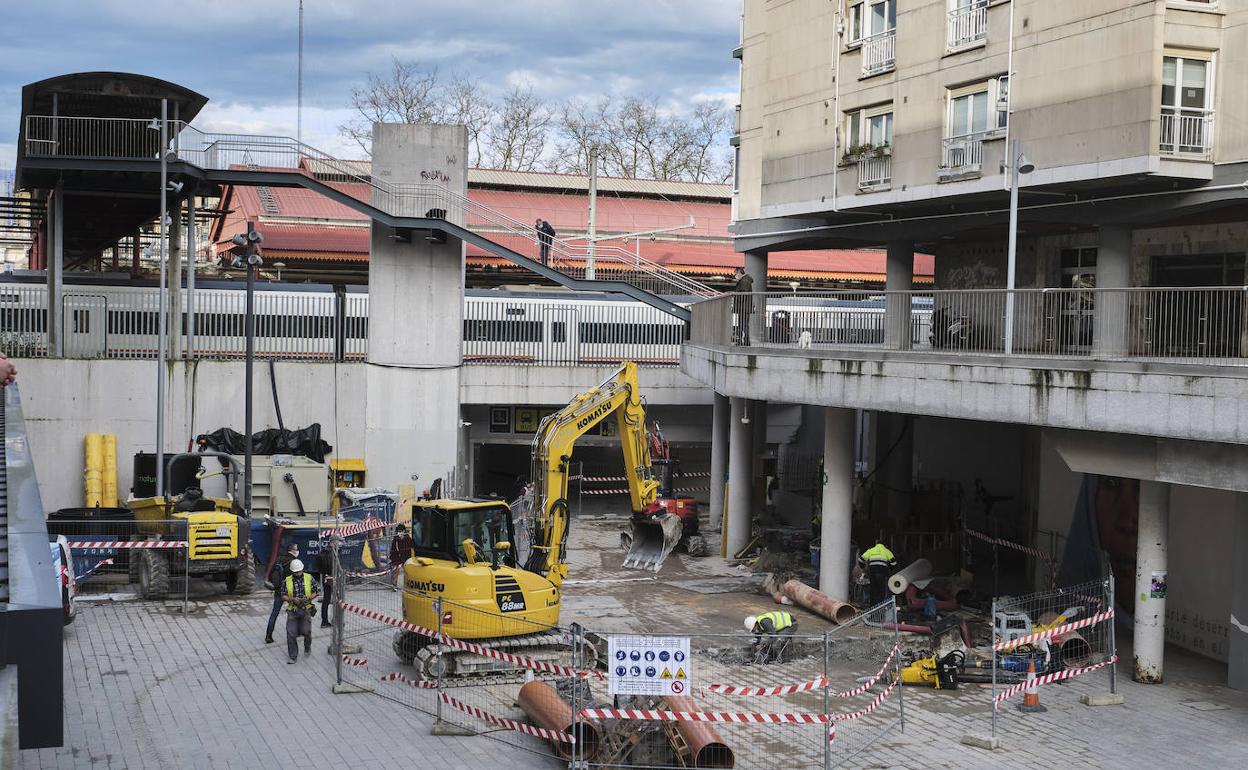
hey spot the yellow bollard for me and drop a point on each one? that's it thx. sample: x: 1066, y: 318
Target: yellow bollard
x: 93, y: 453
x: 108, y: 480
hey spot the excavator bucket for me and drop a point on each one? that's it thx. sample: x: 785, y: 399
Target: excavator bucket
x: 652, y: 539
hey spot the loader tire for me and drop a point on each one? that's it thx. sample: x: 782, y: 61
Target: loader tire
x: 696, y: 546
x: 243, y: 580
x: 153, y: 575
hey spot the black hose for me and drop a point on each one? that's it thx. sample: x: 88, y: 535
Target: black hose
x: 277, y: 405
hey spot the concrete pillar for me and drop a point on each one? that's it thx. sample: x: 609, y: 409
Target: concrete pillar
x: 175, y: 280
x: 1113, y: 270
x: 756, y: 268
x: 899, y: 277
x: 416, y: 287
x: 1150, y: 581
x: 56, y: 273
x: 838, y: 492
x: 720, y: 417
x: 1237, y: 647
x: 740, y: 478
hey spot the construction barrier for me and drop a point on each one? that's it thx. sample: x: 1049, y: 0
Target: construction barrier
x: 1049, y: 560
x: 1048, y: 637
x: 120, y: 556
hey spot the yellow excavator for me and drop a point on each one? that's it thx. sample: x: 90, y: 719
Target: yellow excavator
x: 464, y: 575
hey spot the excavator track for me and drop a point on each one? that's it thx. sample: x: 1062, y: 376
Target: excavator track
x: 432, y: 661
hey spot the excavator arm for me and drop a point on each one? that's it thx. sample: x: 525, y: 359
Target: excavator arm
x: 556, y: 436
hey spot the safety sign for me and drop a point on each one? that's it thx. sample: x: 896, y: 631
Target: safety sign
x: 649, y: 665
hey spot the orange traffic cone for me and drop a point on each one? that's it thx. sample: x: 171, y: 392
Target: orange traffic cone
x: 1031, y: 695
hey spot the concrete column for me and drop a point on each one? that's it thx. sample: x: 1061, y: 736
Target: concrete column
x: 756, y: 268
x: 55, y: 270
x: 838, y: 474
x: 1237, y: 647
x: 740, y: 478
x: 175, y: 280
x: 1150, y: 568
x: 416, y: 287
x: 899, y: 278
x: 1113, y: 270
x: 720, y: 417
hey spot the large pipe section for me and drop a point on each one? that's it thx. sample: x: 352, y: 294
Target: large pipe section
x: 920, y: 569
x: 706, y: 748
x: 547, y: 709
x: 92, y: 477
x: 818, y: 602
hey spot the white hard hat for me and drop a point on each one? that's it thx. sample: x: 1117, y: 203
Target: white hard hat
x: 749, y: 623
x: 296, y: 565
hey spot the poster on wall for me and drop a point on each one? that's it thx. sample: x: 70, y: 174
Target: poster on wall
x: 526, y: 419
x: 500, y: 419
x: 1157, y: 585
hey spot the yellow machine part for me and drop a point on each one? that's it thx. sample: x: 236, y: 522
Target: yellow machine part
x: 92, y: 480
x: 109, y: 478
x: 210, y: 534
x: 477, y: 599
x: 921, y: 672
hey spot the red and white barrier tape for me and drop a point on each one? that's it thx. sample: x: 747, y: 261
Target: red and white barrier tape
x: 509, y: 724
x: 604, y: 492
x: 378, y: 573
x: 859, y: 714
x: 1058, y: 631
x: 789, y: 689
x: 88, y: 573
x: 348, y: 530
x: 127, y: 544
x: 423, y: 684
x: 1046, y: 558
x: 734, y: 717
x: 860, y: 689
x: 519, y: 660
x: 689, y: 475
x: 349, y: 661
x: 1056, y: 676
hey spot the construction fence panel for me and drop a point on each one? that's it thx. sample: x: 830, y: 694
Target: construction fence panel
x: 864, y: 660
x: 148, y: 558
x: 1063, y: 634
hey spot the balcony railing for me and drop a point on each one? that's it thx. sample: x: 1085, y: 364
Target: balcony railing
x: 968, y: 24
x: 879, y: 53
x: 962, y: 154
x: 1181, y: 325
x: 875, y: 173
x: 1186, y: 132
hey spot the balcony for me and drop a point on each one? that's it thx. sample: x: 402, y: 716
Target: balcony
x: 962, y: 157
x: 968, y: 25
x: 879, y: 53
x: 875, y: 173
x: 1186, y: 132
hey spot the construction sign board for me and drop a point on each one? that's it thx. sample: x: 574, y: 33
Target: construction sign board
x: 649, y: 665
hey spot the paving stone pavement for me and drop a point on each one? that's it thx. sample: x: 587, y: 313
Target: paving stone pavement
x: 148, y: 688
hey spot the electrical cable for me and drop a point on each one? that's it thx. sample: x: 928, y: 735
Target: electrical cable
x: 277, y: 405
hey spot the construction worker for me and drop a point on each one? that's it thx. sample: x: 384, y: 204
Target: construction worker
x: 879, y: 564
x: 772, y: 633
x: 280, y: 570
x: 299, y: 593
x: 400, y: 552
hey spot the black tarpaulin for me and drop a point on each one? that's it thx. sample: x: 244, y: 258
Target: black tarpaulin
x: 273, y: 441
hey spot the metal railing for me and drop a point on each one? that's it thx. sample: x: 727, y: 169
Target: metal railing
x: 124, y: 138
x: 1185, y: 325
x: 968, y: 24
x: 962, y: 153
x: 875, y: 172
x: 1186, y: 132
x: 879, y: 52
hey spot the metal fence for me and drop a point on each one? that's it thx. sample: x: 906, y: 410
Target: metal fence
x: 1048, y: 637
x: 546, y: 688
x: 154, y: 559
x: 1191, y: 325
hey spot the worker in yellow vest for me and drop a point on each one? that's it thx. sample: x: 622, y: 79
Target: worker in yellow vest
x: 299, y: 592
x: 773, y: 631
x: 879, y: 564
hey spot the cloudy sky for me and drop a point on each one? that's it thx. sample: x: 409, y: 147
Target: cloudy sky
x: 241, y: 54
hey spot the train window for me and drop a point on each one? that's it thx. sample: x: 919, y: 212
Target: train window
x: 14, y: 298
x: 502, y: 331
x: 514, y: 311
x: 648, y: 334
x: 82, y: 322
x: 558, y: 331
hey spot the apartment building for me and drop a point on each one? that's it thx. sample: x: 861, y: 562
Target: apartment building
x: 1106, y: 360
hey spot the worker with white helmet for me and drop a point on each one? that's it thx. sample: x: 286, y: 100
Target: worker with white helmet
x: 772, y: 633
x: 299, y: 592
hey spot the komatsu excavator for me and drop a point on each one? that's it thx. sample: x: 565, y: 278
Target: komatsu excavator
x: 465, y: 576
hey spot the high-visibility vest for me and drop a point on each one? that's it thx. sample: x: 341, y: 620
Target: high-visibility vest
x: 878, y: 554
x: 307, y: 590
x: 780, y: 620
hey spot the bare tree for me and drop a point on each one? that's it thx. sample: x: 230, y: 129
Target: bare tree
x: 467, y: 104
x: 581, y: 127
x: 708, y: 127
x: 516, y: 140
x: 406, y: 94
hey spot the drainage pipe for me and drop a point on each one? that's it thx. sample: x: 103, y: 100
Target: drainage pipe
x: 818, y: 602
x: 547, y: 709
x: 706, y: 748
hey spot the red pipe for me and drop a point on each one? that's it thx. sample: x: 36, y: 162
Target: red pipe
x: 706, y: 747
x: 915, y: 601
x: 818, y: 602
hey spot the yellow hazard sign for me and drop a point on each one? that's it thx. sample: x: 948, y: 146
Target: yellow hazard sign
x: 667, y: 673
x: 680, y: 673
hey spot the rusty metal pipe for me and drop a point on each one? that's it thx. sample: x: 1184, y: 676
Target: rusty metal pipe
x: 546, y: 709
x: 818, y: 602
x: 706, y: 748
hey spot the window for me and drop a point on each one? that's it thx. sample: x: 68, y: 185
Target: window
x: 970, y: 111
x: 1186, y: 101
x: 1003, y: 101
x: 871, y: 17
x: 870, y: 128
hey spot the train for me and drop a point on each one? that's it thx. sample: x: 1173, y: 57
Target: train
x: 324, y: 322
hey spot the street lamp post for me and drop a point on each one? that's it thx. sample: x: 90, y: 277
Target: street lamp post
x: 246, y: 254
x: 1018, y: 166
